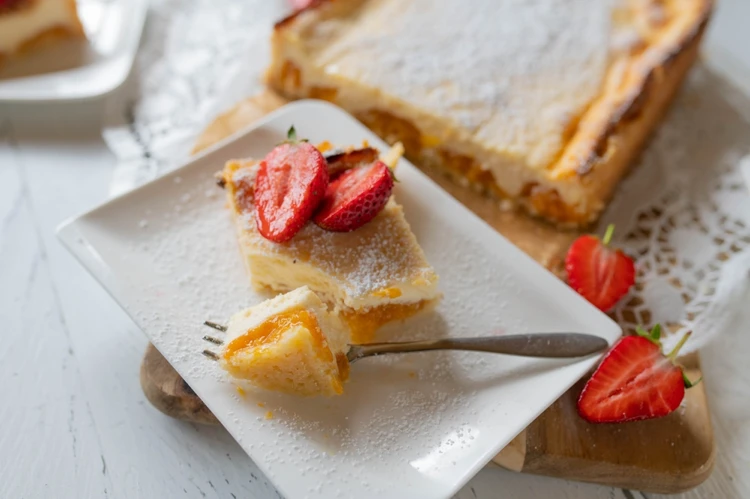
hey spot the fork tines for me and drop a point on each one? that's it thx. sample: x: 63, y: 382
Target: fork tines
x: 216, y: 325
x: 211, y: 355
x: 212, y: 339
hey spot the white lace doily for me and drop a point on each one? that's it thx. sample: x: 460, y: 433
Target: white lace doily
x: 684, y: 212
x: 196, y: 57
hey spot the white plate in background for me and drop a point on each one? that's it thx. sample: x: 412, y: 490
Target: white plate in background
x: 77, y: 69
x: 417, y: 425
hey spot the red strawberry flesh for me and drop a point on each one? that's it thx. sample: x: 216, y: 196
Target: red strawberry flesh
x: 634, y: 381
x: 290, y: 183
x: 355, y: 197
x: 600, y: 274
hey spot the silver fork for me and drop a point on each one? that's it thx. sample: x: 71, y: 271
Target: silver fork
x: 546, y: 345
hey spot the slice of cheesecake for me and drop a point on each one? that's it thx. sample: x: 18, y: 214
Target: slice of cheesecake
x: 26, y: 24
x: 290, y: 343
x: 373, y: 275
x: 543, y: 104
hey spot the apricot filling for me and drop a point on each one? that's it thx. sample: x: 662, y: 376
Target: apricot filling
x: 271, y: 331
x: 541, y: 202
x: 548, y: 204
x: 324, y: 93
x: 387, y: 293
x: 291, y: 76
x: 393, y: 129
x: 288, y: 352
x: 364, y: 324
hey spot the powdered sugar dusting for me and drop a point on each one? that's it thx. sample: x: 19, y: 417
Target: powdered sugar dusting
x: 380, y: 254
x: 182, y: 234
x: 407, y: 425
x: 511, y: 72
x: 371, y: 264
x: 420, y: 408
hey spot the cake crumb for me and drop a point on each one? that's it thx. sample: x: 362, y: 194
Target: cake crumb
x: 324, y: 146
x: 269, y: 415
x: 261, y: 404
x: 241, y: 391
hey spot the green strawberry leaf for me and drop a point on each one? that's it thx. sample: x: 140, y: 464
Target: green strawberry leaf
x: 653, y: 336
x: 642, y: 332
x: 291, y: 137
x: 656, y: 332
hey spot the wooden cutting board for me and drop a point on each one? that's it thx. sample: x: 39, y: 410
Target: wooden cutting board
x: 665, y: 455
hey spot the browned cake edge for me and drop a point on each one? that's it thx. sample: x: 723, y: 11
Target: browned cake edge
x: 607, y: 152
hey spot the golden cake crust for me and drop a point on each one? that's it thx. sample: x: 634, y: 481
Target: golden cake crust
x: 573, y: 189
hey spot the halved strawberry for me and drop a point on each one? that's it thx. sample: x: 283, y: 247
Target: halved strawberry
x: 600, y: 274
x: 290, y: 183
x: 634, y: 381
x: 355, y: 197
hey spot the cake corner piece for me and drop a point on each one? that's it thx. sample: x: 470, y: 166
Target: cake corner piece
x: 290, y: 343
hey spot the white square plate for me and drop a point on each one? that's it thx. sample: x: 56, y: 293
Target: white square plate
x: 418, y: 425
x: 75, y: 69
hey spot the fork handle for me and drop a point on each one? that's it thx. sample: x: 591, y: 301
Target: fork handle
x: 548, y: 345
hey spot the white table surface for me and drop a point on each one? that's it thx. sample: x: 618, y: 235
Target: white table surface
x: 75, y: 422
